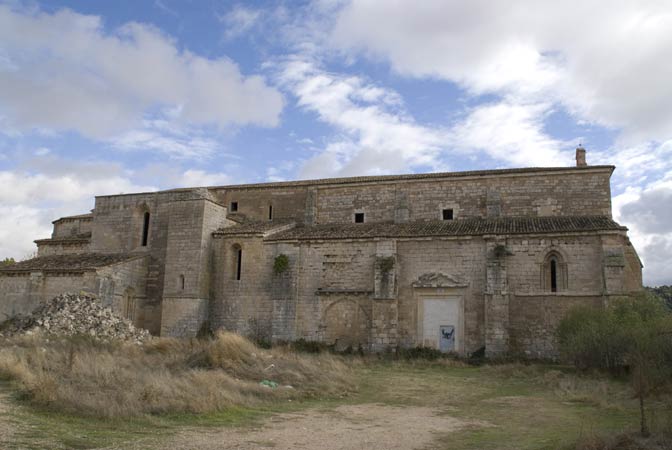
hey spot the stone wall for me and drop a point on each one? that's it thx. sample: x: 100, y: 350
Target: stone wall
x: 464, y: 259
x: 579, y: 192
x: 533, y: 320
x: 582, y: 255
x: 254, y: 202
x: 331, y: 291
x: 63, y: 247
x: 572, y: 191
x: 116, y: 282
x: 188, y: 263
x: 118, y: 220
x: 21, y: 293
x: 72, y: 226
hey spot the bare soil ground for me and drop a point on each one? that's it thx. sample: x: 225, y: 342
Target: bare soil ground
x: 7, y: 424
x: 346, y: 427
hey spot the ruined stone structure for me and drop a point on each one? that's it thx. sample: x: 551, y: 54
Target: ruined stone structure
x: 455, y: 261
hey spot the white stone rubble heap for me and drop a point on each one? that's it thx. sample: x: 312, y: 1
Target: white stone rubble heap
x: 76, y: 314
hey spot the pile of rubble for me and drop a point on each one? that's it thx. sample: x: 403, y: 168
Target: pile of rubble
x: 75, y: 314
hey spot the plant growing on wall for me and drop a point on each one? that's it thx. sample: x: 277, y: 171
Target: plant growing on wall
x: 386, y: 264
x: 281, y: 264
x: 501, y: 251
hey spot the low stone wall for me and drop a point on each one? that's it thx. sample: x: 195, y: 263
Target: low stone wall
x: 21, y: 293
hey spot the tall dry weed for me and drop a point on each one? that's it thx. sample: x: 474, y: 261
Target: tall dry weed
x: 115, y: 379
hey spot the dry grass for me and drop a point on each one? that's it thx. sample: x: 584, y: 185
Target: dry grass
x: 593, y: 389
x: 86, y: 377
x: 625, y: 442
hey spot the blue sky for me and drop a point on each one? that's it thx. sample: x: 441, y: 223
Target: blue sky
x: 109, y: 97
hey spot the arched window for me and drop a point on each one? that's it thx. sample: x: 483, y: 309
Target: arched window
x: 554, y: 273
x: 237, y: 260
x: 145, y: 229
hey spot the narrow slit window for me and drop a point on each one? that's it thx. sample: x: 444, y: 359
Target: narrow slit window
x: 554, y: 275
x: 270, y: 212
x: 145, y: 230
x: 447, y: 214
x: 359, y: 217
x: 239, y: 263
x: 182, y: 282
x: 234, y: 206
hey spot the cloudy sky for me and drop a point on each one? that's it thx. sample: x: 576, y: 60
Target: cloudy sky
x: 110, y: 97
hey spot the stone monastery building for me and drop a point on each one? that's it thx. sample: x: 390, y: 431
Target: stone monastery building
x: 456, y: 261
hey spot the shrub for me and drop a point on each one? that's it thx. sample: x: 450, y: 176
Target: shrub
x: 590, y: 338
x: 428, y: 353
x: 280, y: 264
x: 302, y: 345
x: 633, y: 333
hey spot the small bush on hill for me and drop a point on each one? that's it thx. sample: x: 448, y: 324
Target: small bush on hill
x: 82, y: 376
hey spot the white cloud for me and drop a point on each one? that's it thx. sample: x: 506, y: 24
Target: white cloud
x: 647, y: 212
x: 34, y: 189
x: 170, y: 138
x: 510, y: 132
x: 19, y: 226
x: 46, y: 188
x: 608, y: 64
x: 376, y: 134
x: 239, y: 21
x: 197, y: 178
x: 63, y: 71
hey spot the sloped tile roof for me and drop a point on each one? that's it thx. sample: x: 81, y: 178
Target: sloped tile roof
x: 87, y: 216
x: 68, y: 263
x: 74, y: 239
x: 257, y: 227
x: 464, y: 227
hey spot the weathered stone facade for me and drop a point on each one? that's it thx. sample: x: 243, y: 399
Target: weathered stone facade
x: 456, y: 261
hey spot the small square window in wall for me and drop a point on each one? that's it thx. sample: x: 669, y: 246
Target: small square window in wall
x: 447, y: 214
x: 234, y: 206
x: 359, y: 217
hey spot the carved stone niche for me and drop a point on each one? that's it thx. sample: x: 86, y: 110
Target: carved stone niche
x: 439, y: 280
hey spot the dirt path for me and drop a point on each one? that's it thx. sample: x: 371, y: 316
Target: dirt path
x: 7, y: 426
x: 348, y: 427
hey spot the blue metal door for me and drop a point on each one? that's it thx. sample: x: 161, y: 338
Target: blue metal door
x: 447, y: 338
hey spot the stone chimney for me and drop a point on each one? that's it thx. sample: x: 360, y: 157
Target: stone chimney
x: 580, y: 156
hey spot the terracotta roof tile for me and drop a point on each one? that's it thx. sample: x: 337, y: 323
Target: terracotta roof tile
x: 464, y: 227
x: 66, y: 263
x: 74, y: 239
x: 88, y: 216
x: 257, y: 227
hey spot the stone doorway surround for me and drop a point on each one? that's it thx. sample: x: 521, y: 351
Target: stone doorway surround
x: 428, y: 290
